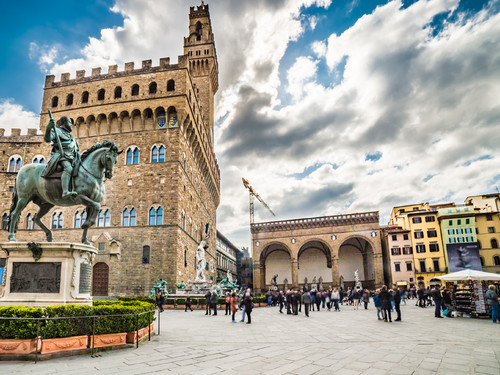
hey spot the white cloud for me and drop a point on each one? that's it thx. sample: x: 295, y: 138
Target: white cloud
x: 14, y: 116
x: 426, y: 101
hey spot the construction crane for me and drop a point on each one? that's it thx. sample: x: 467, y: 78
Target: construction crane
x: 253, y: 194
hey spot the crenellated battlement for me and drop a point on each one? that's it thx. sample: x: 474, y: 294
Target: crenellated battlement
x: 16, y: 136
x: 113, y: 72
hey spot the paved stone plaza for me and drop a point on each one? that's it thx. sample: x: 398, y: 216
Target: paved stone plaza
x: 349, y: 342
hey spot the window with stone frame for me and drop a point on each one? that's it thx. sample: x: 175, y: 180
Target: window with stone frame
x: 155, y: 216
x: 496, y: 260
x: 416, y: 220
x: 100, y: 94
x: 431, y: 233
x: 418, y: 234
x: 118, y: 92
x: 146, y: 252
x: 5, y: 222
x: 420, y: 248
x: 132, y: 155
x: 153, y: 87
x: 170, y: 85
x: 85, y: 97
x: 15, y: 163
x: 135, y: 90
x: 57, y: 220
x: 158, y: 154
x: 494, y: 243
x: 434, y: 247
x: 30, y: 223
x: 69, y: 99
x: 55, y: 101
x: 396, y: 251
x: 129, y: 217
x: 79, y: 218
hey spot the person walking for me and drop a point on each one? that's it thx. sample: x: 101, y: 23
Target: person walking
x: 336, y: 296
x: 234, y: 306
x: 208, y: 310
x: 306, y: 300
x: 313, y: 298
x: 187, y: 304
x: 281, y: 300
x: 228, y: 303
x: 288, y: 302
x: 385, y: 303
x: 397, y: 302
x: 378, y: 305
x: 248, y: 307
x: 160, y: 301
x: 437, y: 298
x: 421, y: 297
x: 243, y: 306
x: 366, y: 298
x: 214, y: 298
x: 328, y: 299
x: 491, y: 298
x: 318, y: 300
x: 356, y: 297
x: 446, y: 299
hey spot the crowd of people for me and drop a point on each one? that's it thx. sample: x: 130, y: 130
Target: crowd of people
x: 385, y: 300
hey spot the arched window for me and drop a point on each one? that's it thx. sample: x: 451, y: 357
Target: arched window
x: 129, y: 217
x: 199, y: 30
x: 496, y: 260
x: 184, y: 160
x: 156, y: 216
x: 104, y: 218
x: 146, y: 254
x: 479, y: 245
x: 170, y: 85
x: 482, y: 261
x: 78, y: 220
x: 30, y: 224
x: 15, y: 163
x: 133, y: 216
x: 172, y: 117
x: 55, y: 101
x: 132, y: 156
x: 190, y: 227
x: 494, y: 243
x: 38, y: 160
x: 158, y: 154
x: 5, y: 222
x: 57, y: 220
x: 118, y: 92
x: 85, y: 97
x: 183, y: 220
x: 100, y: 94
x: 135, y: 90
x: 69, y: 99
x: 126, y: 218
x: 152, y: 88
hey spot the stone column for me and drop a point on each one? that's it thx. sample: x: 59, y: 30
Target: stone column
x: 256, y: 276
x: 378, y: 268
x: 295, y: 273
x: 335, y: 272
x: 119, y: 124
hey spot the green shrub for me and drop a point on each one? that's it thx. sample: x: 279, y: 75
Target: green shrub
x: 169, y: 301
x: 221, y: 301
x: 137, y: 298
x: 67, y: 327
x: 19, y: 329
x: 180, y: 301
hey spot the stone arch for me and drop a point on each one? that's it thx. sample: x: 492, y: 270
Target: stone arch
x: 275, y: 258
x: 91, y: 126
x: 314, y: 259
x: 148, y: 119
x: 125, y: 122
x: 114, y: 123
x: 356, y: 252
x: 102, y: 124
x: 136, y: 120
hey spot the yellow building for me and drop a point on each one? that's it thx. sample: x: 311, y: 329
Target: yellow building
x: 428, y: 248
x: 487, y: 212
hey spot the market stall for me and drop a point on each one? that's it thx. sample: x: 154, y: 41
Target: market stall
x: 469, y: 287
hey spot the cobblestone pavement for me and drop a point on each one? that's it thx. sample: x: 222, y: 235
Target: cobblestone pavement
x: 347, y: 342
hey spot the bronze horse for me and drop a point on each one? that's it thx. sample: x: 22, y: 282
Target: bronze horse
x: 97, y: 163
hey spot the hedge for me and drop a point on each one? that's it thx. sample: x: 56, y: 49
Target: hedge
x: 19, y: 329
x: 53, y: 328
x: 137, y: 298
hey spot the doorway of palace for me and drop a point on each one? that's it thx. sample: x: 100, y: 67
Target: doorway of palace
x: 356, y: 254
x: 314, y: 263
x: 276, y: 260
x: 100, y: 279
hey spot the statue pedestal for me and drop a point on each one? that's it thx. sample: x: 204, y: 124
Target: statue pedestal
x: 61, y: 275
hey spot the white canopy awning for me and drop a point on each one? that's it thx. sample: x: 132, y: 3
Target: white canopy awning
x: 470, y: 275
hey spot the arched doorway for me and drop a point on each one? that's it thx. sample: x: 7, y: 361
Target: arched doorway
x: 314, y: 262
x: 275, y: 259
x: 356, y: 254
x: 100, y: 279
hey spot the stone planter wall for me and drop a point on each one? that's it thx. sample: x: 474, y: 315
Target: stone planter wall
x: 64, y: 344
x: 110, y: 339
x: 143, y: 332
x: 12, y: 346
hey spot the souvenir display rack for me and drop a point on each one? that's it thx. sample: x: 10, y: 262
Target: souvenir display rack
x: 464, y: 297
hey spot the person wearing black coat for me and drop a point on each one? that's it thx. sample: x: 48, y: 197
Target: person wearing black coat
x: 208, y: 310
x: 248, y: 308
x: 288, y: 302
x: 397, y: 302
x: 295, y: 302
x: 281, y: 300
x: 385, y: 303
x: 436, y: 296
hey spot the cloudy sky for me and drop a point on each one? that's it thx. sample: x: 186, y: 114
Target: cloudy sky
x: 325, y: 106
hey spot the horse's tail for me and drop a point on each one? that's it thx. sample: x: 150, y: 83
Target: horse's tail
x: 13, y: 204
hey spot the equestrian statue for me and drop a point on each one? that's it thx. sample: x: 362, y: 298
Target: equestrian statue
x: 68, y: 179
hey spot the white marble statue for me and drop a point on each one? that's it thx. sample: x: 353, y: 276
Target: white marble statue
x: 201, y: 262
x: 229, y: 277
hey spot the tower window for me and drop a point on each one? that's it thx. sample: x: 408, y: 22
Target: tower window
x: 156, y: 216
x: 171, y: 85
x: 199, y: 30
x: 145, y: 254
x: 15, y: 163
x: 55, y: 101
x: 100, y: 94
x: 158, y: 154
x: 152, y: 88
x: 118, y: 92
x: 132, y: 156
x: 85, y: 97
x: 69, y: 99
x: 135, y: 90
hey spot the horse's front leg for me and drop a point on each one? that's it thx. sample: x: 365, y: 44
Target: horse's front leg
x: 44, y: 208
x: 92, y: 211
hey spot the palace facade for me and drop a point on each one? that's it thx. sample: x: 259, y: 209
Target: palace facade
x: 166, y: 184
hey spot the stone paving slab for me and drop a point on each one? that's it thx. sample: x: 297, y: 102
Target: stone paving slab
x: 347, y: 342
